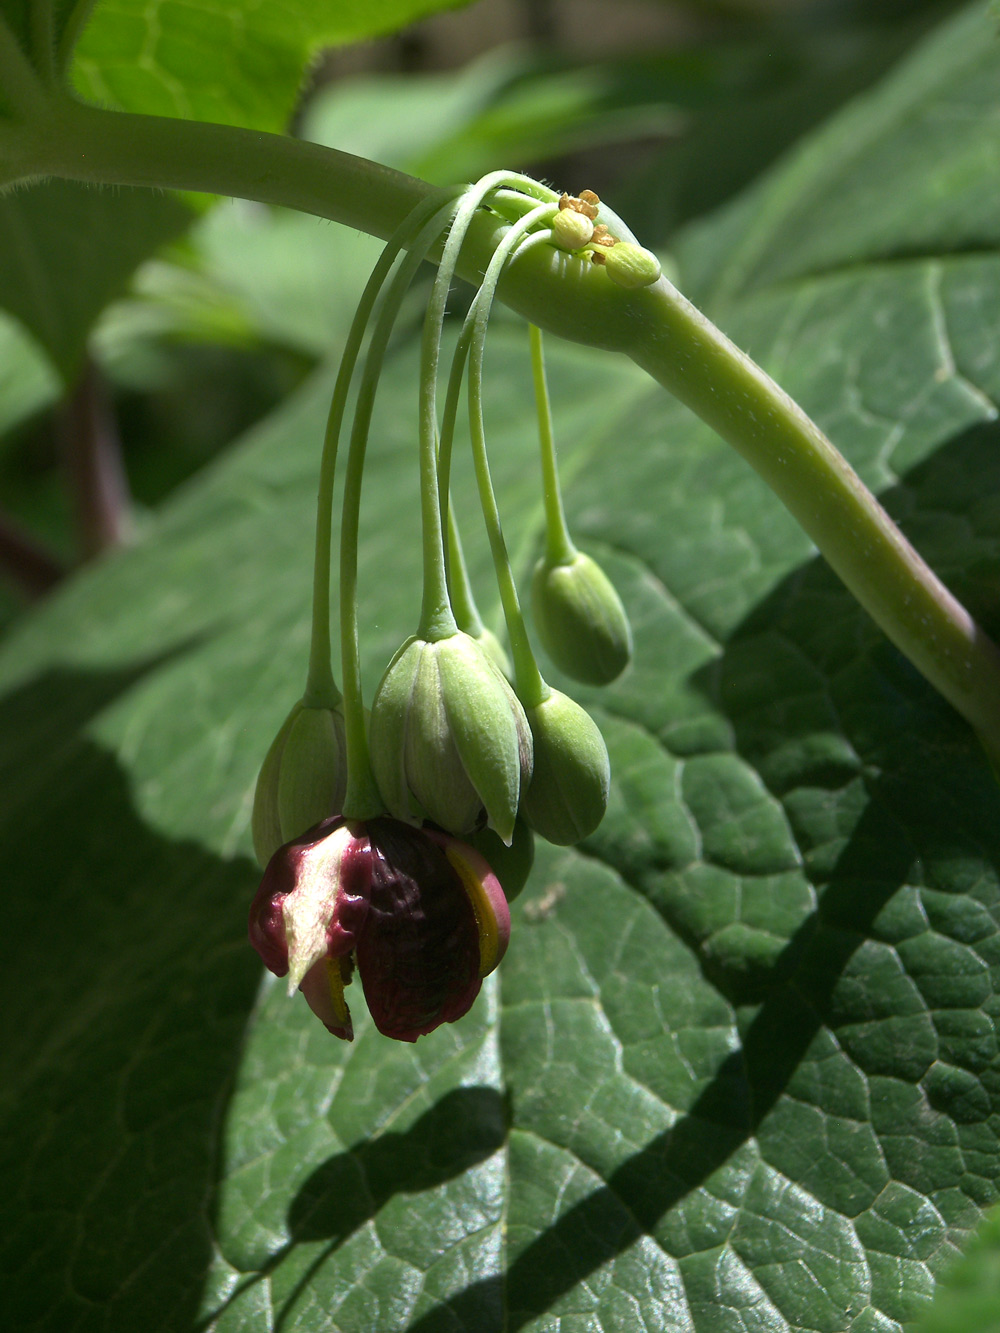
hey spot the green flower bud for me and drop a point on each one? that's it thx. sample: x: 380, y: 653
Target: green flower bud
x: 511, y: 865
x: 571, y: 230
x: 631, y: 266
x: 580, y: 619
x: 302, y: 780
x: 449, y: 739
x: 568, y: 792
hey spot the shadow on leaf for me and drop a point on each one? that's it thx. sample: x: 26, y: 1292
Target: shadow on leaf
x: 125, y: 1000
x: 462, y: 1129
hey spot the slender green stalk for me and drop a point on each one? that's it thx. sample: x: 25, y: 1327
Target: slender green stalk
x: 463, y: 603
x: 362, y: 800
x: 448, y: 418
x: 655, y: 326
x: 437, y: 619
x: 531, y: 688
x: 321, y: 690
x: 559, y: 546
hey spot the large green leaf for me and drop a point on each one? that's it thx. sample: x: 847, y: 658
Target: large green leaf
x: 909, y: 169
x: 66, y: 251
x: 227, y: 61
x: 739, y: 1069
x: 26, y: 379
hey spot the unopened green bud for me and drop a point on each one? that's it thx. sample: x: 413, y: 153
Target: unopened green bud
x: 302, y: 780
x: 511, y: 865
x: 580, y: 618
x: 571, y: 230
x: 449, y: 739
x: 631, y: 266
x: 568, y: 792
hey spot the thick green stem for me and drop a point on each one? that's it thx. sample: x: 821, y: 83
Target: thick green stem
x: 564, y: 295
x: 559, y: 547
x: 903, y: 595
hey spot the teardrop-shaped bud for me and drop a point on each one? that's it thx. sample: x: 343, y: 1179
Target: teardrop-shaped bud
x: 580, y: 619
x: 449, y: 739
x: 571, y: 230
x: 302, y: 780
x: 511, y: 865
x: 568, y: 792
x: 631, y: 266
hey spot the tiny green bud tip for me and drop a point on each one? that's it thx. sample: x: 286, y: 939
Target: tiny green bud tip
x: 630, y: 266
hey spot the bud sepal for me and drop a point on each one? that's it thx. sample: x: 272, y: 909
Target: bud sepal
x: 580, y: 619
x: 302, y: 780
x: 449, y: 739
x: 568, y: 793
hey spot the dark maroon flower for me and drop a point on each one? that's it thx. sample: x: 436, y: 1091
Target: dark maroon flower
x: 421, y: 915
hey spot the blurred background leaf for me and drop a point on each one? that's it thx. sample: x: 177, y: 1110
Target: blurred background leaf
x: 967, y: 1299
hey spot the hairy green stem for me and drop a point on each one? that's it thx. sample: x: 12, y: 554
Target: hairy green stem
x: 655, y: 326
x: 559, y: 546
x: 43, y: 39
x: 21, y: 91
x: 73, y: 25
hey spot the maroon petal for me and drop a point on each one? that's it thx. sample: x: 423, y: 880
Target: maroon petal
x: 418, y: 951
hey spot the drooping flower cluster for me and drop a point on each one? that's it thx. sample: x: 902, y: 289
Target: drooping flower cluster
x: 366, y: 826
